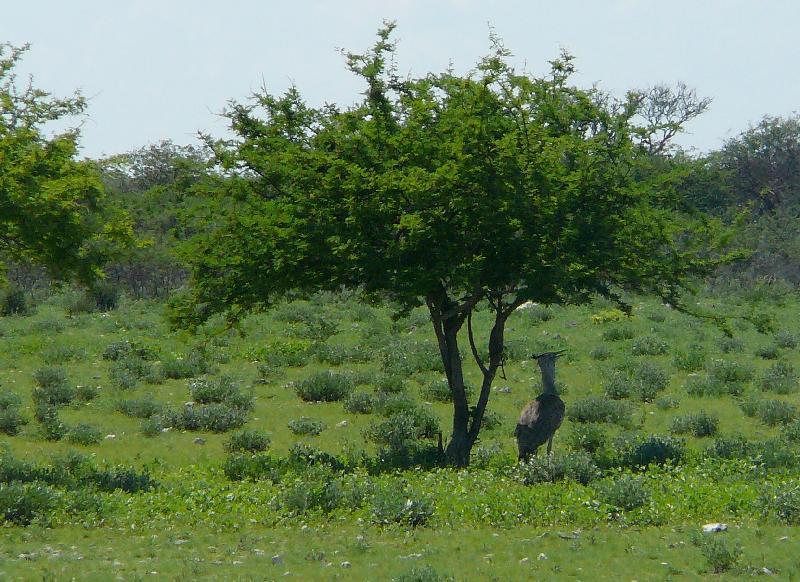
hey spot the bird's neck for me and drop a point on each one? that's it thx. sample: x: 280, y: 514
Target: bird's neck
x: 548, y: 377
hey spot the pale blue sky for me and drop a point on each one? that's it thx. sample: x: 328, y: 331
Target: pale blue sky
x: 157, y: 69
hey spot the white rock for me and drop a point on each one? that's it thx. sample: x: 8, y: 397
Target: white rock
x: 342, y: 424
x: 767, y: 571
x: 199, y: 441
x: 345, y: 564
x: 715, y: 527
x: 525, y: 560
x: 542, y: 556
x: 277, y: 559
x: 110, y: 436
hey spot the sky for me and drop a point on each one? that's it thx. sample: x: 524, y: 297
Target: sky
x: 165, y: 69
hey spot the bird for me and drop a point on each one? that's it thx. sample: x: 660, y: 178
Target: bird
x: 541, y: 418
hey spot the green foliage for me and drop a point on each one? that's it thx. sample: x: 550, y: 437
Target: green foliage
x: 700, y: 424
x: 21, y: 503
x: 192, y: 365
x: 400, y: 437
x: 692, y: 359
x: 425, y: 573
x: 11, y: 420
x: 636, y: 452
x: 14, y: 301
x: 359, y: 403
x: 649, y: 345
x: 625, y: 492
x: 53, y: 206
x: 785, y: 339
x: 597, y: 409
x: 616, y: 334
x: 768, y: 352
x: 645, y: 380
x: 587, y: 437
x: 324, y: 386
x: 769, y: 411
x: 730, y: 447
x: 306, y: 426
x: 84, y: 434
x: 248, y: 441
x: 392, y: 505
x: 217, y: 417
x: 601, y: 353
x: 721, y: 555
x: 784, y: 502
x: 223, y: 389
x: 52, y: 387
x: 700, y: 386
x: 139, y: 407
x: 780, y: 378
x: 575, y: 466
x: 729, y: 372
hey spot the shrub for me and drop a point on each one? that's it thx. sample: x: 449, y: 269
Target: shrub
x: 771, y: 412
x: 625, y: 492
x: 792, y: 432
x: 784, y: 502
x: 399, y: 437
x: 13, y: 301
x: 320, y: 489
x: 52, y: 388
x: 728, y: 345
x: 700, y: 424
x: 730, y: 447
x: 491, y: 420
x: 360, y: 403
x: 637, y: 451
x: 575, y: 466
x: 306, y: 426
x: 667, y: 403
x: 690, y: 360
x: 780, y: 378
x: 210, y: 417
x: 699, y: 386
x: 11, y: 420
x: 389, y: 404
x: 587, y: 437
x: 601, y: 353
x: 84, y: 434
x: 773, y: 454
x: 139, y: 407
x: 324, y: 387
x: 615, y: 334
x: 127, y: 349
x: 425, y: 573
x: 536, y: 313
x: 770, y: 352
x: 123, y: 378
x: 78, y: 302
x: 406, y: 358
x: 390, y: 383
x: 648, y: 345
x: 105, y: 295
x: 392, y: 505
x: 21, y: 503
x: 219, y: 390
x: 598, y: 409
x: 266, y: 372
x: 438, y: 390
x: 607, y: 316
x: 61, y: 354
x: 786, y: 340
x: 239, y: 467
x: 730, y: 372
x: 50, y: 424
x: 194, y: 364
x: 336, y: 355
x: 720, y: 554
x: 619, y: 385
x: 247, y: 441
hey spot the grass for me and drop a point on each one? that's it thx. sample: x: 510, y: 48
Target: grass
x: 382, y: 365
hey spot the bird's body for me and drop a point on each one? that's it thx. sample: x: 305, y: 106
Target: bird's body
x: 538, y: 422
x: 541, y: 418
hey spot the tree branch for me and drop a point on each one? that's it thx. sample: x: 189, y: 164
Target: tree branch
x: 472, y: 345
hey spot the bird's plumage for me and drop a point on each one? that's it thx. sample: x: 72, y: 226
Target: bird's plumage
x: 538, y: 422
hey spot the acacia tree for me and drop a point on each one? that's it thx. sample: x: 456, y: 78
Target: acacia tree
x: 490, y: 189
x: 51, y: 205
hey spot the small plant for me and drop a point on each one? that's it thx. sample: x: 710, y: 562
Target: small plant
x: 536, y: 313
x: 786, y: 340
x: 61, y: 354
x: 389, y: 383
x: 587, y: 437
x: 14, y: 301
x: 11, y: 420
x: 607, y: 316
x: 768, y: 352
x: 619, y: 385
x: 700, y: 424
x: 785, y: 503
x: 729, y: 345
x: 616, y: 334
x: 139, y: 407
x: 84, y: 434
x: 728, y: 372
x: 601, y: 353
x: 52, y: 386
x: 324, y: 387
x: 667, y: 403
x: 770, y: 412
x: 360, y: 403
x: 701, y: 386
x: 439, y: 391
x: 780, y: 378
x: 597, y: 409
x: 218, y: 390
x: 105, y: 295
x: 391, y: 505
x: 21, y: 503
x: 248, y: 441
x: 637, y: 451
x: 194, y: 364
x: 730, y: 447
x: 575, y: 466
x: 625, y: 492
x: 52, y: 428
x: 425, y: 573
x: 649, y: 345
x: 692, y: 359
x: 720, y: 554
x: 306, y: 426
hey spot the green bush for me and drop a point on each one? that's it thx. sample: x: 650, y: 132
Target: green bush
x: 139, y: 407
x: 700, y: 386
x: 52, y: 428
x: 619, y: 385
x: 389, y: 404
x: 21, y: 503
x: 637, y: 451
x: 536, y: 313
x: 720, y: 554
x: 784, y: 502
x: 426, y: 573
x: 336, y: 355
x: 729, y: 372
x: 616, y: 334
x: 322, y: 490
x: 61, y: 354
x: 692, y: 359
x: 390, y: 383
x: 729, y: 345
x: 769, y: 352
x: 324, y: 387
x: 123, y: 378
x: 780, y: 378
x: 667, y: 403
x: 219, y: 390
x: 601, y: 353
x: 587, y: 437
x: 400, y: 437
x: 105, y: 295
x: 786, y: 340
x: 84, y: 434
x: 126, y: 349
x: 392, y: 505
x: 649, y: 345
x: 575, y: 466
x: 596, y: 409
x: 210, y: 417
x: 771, y: 412
x: 11, y: 420
x: 730, y: 447
x: 700, y: 424
x: 52, y: 386
x: 191, y: 366
x: 248, y: 441
x: 14, y: 301
x: 254, y: 467
x: 624, y: 492
x: 306, y: 426
x: 359, y: 403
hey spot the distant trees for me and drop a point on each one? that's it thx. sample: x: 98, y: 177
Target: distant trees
x: 52, y: 209
x: 454, y: 192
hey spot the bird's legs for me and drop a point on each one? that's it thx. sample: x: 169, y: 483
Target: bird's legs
x: 549, y: 446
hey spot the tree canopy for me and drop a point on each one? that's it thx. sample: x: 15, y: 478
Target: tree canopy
x: 453, y: 191
x: 51, y: 205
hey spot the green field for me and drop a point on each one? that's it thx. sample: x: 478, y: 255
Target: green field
x: 146, y: 493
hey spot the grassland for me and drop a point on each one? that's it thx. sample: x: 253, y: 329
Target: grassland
x: 147, y: 493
